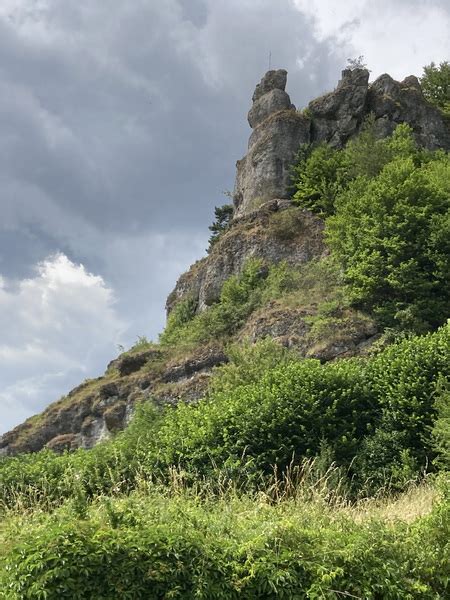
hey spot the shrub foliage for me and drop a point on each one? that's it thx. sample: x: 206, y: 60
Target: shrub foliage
x: 388, y: 225
x: 435, y: 84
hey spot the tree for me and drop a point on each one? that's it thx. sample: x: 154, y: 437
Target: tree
x: 356, y: 63
x: 435, y: 83
x: 318, y: 176
x: 223, y: 215
x: 321, y: 173
x: 391, y: 234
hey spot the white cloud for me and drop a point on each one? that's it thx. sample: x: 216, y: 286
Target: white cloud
x: 398, y: 37
x: 58, y: 327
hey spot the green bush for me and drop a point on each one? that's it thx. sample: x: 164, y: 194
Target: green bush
x: 318, y: 177
x: 322, y: 173
x: 388, y: 225
x: 435, y: 84
x: 285, y: 412
x: 441, y: 427
x: 177, y: 546
x: 265, y: 409
x: 391, y: 235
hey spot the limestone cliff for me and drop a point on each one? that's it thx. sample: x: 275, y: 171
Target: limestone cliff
x: 251, y: 236
x: 264, y: 226
x: 279, y: 130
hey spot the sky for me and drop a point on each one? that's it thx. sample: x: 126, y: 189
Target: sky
x: 120, y: 126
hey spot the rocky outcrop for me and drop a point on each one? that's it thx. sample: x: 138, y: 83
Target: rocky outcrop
x: 265, y: 226
x: 393, y: 102
x: 130, y: 363
x: 336, y: 116
x: 349, y: 333
x: 255, y: 235
x: 279, y: 130
x: 199, y: 363
x: 99, y: 408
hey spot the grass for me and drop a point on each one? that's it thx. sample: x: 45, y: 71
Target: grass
x: 296, y: 539
x: 185, y: 504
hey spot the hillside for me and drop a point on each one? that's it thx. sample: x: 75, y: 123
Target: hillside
x: 288, y: 435
x: 266, y: 226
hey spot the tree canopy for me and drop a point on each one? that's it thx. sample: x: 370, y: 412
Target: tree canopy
x: 435, y: 83
x: 387, y: 209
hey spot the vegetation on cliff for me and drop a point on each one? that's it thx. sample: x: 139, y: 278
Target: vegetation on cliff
x: 387, y: 208
x: 435, y: 84
x: 372, y: 418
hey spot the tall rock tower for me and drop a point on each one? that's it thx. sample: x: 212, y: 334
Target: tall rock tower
x: 278, y: 132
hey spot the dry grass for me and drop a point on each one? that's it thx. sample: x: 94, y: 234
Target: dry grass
x: 416, y: 502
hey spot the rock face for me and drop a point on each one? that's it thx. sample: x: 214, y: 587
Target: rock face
x: 336, y: 116
x: 279, y: 130
x: 263, y: 175
x: 98, y: 408
x: 349, y: 334
x: 394, y: 102
x: 252, y: 236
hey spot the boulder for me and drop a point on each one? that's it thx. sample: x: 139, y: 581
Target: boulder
x: 131, y: 362
x: 61, y: 443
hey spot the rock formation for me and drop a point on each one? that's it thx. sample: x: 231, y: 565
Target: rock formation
x: 279, y: 130
x: 98, y: 408
x: 336, y: 116
x: 251, y: 236
x: 394, y: 102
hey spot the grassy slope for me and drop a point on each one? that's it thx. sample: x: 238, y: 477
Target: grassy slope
x: 294, y: 537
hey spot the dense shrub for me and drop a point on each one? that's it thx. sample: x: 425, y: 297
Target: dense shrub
x: 374, y: 417
x: 319, y: 175
x: 287, y: 224
x: 159, y: 546
x: 279, y: 418
x: 391, y: 234
x: 378, y: 412
x: 388, y: 225
x: 441, y: 427
x: 322, y: 173
x: 435, y: 84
